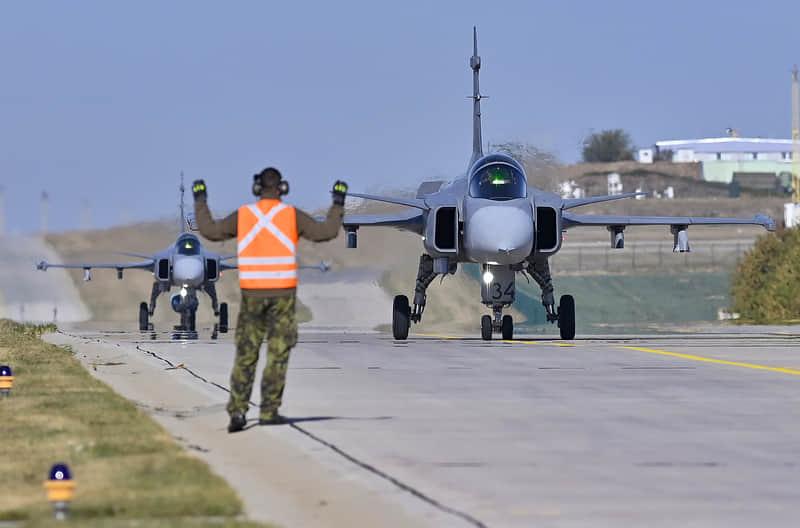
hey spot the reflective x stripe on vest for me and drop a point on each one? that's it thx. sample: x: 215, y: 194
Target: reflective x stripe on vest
x: 267, y: 246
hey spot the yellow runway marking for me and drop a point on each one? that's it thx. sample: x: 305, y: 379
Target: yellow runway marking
x: 510, y: 342
x: 692, y: 357
x: 551, y: 343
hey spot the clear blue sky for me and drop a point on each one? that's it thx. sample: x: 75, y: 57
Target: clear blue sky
x: 106, y: 103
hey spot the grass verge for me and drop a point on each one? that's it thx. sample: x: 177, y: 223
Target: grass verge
x: 129, y: 471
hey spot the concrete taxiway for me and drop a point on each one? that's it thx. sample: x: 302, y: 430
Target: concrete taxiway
x: 700, y: 430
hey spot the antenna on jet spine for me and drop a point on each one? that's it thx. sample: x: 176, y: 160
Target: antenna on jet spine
x: 183, y: 207
x: 475, y: 64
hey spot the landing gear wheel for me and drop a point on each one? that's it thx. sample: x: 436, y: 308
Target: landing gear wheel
x: 186, y: 330
x: 223, y: 318
x: 144, y: 317
x: 507, y: 328
x: 566, y: 317
x: 401, y: 317
x: 486, y: 327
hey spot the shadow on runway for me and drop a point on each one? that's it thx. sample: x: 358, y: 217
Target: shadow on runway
x: 290, y: 420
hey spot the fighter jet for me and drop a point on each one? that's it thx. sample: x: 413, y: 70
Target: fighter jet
x: 494, y: 217
x: 185, y: 265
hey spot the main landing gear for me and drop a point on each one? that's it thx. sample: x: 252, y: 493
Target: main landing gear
x: 539, y: 270
x: 220, y: 311
x: 566, y: 317
x: 146, y: 311
x: 403, y: 313
x: 184, y: 303
x: 497, y: 292
x: 144, y: 318
x: 401, y: 317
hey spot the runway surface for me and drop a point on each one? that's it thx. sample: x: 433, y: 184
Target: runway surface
x: 700, y: 430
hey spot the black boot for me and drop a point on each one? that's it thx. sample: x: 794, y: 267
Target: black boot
x: 275, y: 419
x: 237, y: 423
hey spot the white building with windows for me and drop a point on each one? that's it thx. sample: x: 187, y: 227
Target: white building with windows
x: 723, y: 156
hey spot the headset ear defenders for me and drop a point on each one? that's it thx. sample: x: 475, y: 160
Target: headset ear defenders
x: 283, y: 187
x: 258, y: 186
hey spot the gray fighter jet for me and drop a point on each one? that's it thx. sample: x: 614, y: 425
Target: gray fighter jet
x: 185, y: 265
x: 492, y: 216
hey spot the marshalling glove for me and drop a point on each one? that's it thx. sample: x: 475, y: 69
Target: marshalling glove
x: 339, y: 192
x: 199, y: 189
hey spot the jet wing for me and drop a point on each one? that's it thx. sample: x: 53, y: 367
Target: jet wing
x: 145, y: 265
x: 577, y: 220
x: 88, y: 266
x: 410, y: 220
x: 569, y: 203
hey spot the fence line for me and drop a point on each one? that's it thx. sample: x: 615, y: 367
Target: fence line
x: 648, y: 257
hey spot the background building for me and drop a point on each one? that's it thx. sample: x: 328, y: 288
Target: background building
x: 724, y: 158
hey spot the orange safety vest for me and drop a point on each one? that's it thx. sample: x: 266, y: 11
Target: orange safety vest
x: 267, y: 246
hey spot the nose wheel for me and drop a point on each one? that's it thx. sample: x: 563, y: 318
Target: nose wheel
x: 504, y: 324
x: 187, y: 329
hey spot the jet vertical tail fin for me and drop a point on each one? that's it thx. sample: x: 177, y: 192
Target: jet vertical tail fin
x: 475, y: 64
x: 182, y: 206
x: 186, y: 220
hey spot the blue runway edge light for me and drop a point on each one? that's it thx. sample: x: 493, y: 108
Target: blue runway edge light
x: 60, y: 472
x: 5, y: 370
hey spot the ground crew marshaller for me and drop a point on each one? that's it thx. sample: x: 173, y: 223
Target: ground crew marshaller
x: 267, y: 233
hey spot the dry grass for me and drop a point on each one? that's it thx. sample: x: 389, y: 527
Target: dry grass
x: 126, y: 466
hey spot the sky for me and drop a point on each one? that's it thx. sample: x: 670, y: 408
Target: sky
x: 103, y: 104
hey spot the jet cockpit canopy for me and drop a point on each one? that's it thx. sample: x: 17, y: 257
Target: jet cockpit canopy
x: 188, y: 245
x: 498, y: 180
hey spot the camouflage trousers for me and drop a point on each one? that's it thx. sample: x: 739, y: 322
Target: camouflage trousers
x: 275, y: 318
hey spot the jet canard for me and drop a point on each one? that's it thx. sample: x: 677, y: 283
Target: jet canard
x: 494, y: 217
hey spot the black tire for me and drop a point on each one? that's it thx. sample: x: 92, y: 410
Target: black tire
x: 566, y: 317
x: 507, y: 329
x: 192, y: 320
x: 144, y: 317
x: 223, y: 318
x: 187, y: 321
x: 401, y: 317
x: 486, y: 327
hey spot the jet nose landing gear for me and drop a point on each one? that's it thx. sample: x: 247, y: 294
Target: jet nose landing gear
x: 501, y: 323
x: 497, y: 291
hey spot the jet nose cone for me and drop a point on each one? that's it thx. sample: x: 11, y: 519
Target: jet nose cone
x: 499, y: 234
x: 188, y: 270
